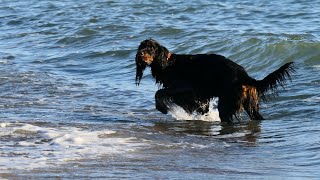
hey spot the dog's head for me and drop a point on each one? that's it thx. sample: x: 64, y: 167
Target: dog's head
x: 150, y: 53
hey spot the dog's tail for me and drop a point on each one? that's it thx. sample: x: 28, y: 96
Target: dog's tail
x: 270, y: 83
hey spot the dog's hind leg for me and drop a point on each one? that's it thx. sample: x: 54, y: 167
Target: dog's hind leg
x: 257, y: 116
x: 229, y: 105
x: 250, y: 99
x: 252, y: 111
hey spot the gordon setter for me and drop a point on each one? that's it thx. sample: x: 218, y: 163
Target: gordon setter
x: 190, y: 81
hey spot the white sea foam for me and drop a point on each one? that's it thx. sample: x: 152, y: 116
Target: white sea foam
x: 312, y: 99
x: 29, y: 146
x: 3, y: 125
x: 213, y: 115
x: 317, y: 66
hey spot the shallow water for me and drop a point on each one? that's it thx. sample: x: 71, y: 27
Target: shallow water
x: 69, y: 106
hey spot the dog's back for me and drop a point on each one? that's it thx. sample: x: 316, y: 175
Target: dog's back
x: 202, y: 71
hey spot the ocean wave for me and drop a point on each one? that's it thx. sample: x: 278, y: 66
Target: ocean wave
x: 27, y: 146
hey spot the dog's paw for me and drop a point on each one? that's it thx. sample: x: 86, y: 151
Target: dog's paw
x: 162, y: 108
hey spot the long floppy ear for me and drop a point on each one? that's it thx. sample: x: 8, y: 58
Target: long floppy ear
x: 140, y: 67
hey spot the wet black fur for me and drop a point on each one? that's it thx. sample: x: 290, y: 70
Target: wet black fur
x: 190, y: 81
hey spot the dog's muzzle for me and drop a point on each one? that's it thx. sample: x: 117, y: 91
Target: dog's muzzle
x: 145, y: 56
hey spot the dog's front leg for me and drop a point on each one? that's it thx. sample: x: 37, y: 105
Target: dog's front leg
x: 162, y: 100
x: 183, y: 97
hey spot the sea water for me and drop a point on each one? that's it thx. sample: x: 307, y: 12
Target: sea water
x: 69, y: 106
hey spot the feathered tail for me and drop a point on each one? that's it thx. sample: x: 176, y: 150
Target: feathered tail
x: 271, y: 82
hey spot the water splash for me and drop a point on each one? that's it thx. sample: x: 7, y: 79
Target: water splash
x: 179, y: 113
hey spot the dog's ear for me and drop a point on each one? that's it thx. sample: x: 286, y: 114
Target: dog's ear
x: 140, y: 67
x: 140, y: 64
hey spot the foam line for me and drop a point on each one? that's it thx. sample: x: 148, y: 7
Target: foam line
x: 29, y: 146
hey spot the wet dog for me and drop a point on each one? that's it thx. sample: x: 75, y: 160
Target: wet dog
x: 190, y: 81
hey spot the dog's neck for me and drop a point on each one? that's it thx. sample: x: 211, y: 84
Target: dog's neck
x: 163, y: 62
x: 160, y: 64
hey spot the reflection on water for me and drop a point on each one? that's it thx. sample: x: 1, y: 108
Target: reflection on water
x: 246, y: 131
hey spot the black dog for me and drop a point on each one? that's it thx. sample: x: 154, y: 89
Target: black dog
x: 190, y: 81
